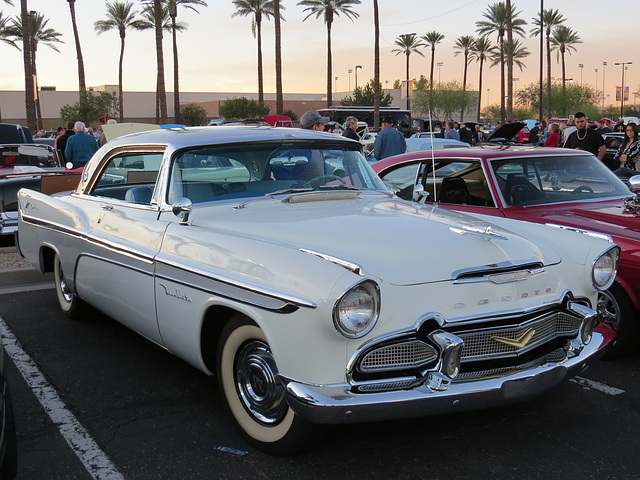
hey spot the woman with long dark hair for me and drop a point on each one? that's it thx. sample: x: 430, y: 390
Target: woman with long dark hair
x: 629, y: 151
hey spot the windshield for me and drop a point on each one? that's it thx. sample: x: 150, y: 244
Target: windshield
x: 246, y: 171
x: 557, y: 178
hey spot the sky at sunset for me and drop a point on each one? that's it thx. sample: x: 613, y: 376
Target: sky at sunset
x: 218, y: 53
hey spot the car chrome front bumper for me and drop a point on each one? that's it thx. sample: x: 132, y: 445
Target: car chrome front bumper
x: 335, y: 404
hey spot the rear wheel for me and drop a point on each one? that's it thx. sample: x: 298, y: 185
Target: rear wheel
x: 616, y: 310
x: 249, y: 383
x: 71, y: 305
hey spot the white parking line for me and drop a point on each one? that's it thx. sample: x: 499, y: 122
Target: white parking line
x: 600, y: 387
x: 86, y: 449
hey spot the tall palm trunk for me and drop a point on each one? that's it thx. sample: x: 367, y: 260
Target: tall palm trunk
x: 29, y: 103
x: 502, y: 80
x: 176, y: 73
x: 161, y: 93
x: 433, y: 57
x: 464, y: 85
x: 376, y: 65
x: 408, y: 54
x: 120, y: 82
x: 548, y: 73
x: 509, y: 63
x: 329, y: 71
x: 480, y: 91
x: 276, y: 21
x: 260, y: 81
x: 36, y: 90
x: 81, y: 81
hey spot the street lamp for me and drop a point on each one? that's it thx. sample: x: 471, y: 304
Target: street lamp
x: 623, y: 65
x: 581, y: 67
x: 488, y: 96
x: 440, y: 64
x: 350, y: 71
x: 358, y: 67
x: 604, y: 69
x: 335, y: 87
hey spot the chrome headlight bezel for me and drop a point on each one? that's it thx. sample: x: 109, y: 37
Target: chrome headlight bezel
x: 606, y: 262
x: 367, y: 288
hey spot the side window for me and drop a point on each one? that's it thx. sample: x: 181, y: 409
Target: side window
x: 402, y: 180
x: 130, y: 177
x: 458, y: 183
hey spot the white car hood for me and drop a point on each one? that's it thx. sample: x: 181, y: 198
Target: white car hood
x: 397, y: 242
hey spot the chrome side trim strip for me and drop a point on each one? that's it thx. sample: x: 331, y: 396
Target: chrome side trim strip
x: 352, y: 267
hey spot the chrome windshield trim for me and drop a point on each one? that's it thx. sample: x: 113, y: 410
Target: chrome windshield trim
x: 352, y: 267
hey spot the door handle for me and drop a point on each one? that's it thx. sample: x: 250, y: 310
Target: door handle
x: 107, y: 207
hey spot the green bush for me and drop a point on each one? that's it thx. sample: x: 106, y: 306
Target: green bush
x: 193, y: 115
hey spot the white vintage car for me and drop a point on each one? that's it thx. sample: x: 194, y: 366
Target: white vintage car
x: 276, y: 259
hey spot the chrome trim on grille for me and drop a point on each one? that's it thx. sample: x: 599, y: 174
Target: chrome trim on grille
x: 398, y: 356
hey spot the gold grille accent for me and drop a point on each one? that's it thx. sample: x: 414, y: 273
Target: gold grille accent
x: 481, y: 345
x: 398, y: 356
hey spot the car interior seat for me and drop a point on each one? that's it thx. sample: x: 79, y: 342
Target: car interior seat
x: 139, y: 194
x: 454, y: 190
x: 518, y: 190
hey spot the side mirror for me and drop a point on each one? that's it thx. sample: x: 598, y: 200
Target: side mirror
x: 182, y: 209
x: 634, y: 184
x: 420, y: 195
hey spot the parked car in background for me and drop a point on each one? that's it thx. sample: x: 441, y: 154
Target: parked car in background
x: 255, y: 253
x: 612, y: 141
x: 410, y: 126
x: 568, y: 188
x: 278, y: 121
x: 504, y: 135
x: 11, y: 133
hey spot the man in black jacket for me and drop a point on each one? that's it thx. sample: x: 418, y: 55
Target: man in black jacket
x: 61, y: 143
x: 351, y: 123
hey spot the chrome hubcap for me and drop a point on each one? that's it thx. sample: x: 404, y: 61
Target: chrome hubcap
x: 257, y: 382
x: 609, y: 310
x: 64, y: 289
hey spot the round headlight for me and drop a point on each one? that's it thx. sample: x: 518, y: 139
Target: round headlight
x: 604, y: 269
x: 356, y: 312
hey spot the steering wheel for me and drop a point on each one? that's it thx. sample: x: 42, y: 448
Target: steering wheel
x: 583, y: 189
x: 323, y: 177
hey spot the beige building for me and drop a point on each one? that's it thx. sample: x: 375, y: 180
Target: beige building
x: 141, y: 106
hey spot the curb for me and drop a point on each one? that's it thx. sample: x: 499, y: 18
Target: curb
x: 21, y: 276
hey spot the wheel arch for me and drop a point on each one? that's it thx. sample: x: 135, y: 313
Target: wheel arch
x: 47, y: 257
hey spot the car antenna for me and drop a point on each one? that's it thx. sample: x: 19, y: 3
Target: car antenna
x: 433, y: 159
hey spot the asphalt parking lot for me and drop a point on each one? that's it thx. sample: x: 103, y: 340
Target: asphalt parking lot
x: 152, y: 416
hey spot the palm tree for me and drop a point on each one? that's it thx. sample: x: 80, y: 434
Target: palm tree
x: 29, y: 100
x: 173, y: 13
x: 481, y: 51
x: 81, y: 81
x: 431, y: 39
x: 563, y: 40
x: 278, y: 54
x: 463, y: 45
x: 38, y: 33
x: 495, y: 21
x: 120, y: 17
x: 329, y: 9
x: 550, y: 20
x: 258, y: 9
x: 515, y: 50
x: 408, y: 43
x: 5, y: 36
x: 377, y: 93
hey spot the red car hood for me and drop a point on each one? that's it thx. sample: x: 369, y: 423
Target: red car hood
x: 608, y: 216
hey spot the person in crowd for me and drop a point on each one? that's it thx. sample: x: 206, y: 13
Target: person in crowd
x: 477, y: 135
x: 351, y: 123
x: 569, y: 129
x: 585, y: 138
x: 533, y: 134
x: 389, y: 141
x: 620, y: 126
x: 312, y: 120
x: 80, y: 147
x: 629, y: 150
x: 542, y: 134
x: 553, y: 139
x: 465, y: 134
x: 602, y: 128
x: 451, y: 132
x: 61, y: 142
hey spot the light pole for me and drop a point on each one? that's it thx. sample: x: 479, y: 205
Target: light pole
x: 596, y: 84
x: 350, y: 72
x: 440, y: 64
x: 335, y: 87
x: 488, y: 96
x: 604, y: 70
x: 515, y: 88
x: 623, y: 65
x: 581, y: 67
x: 358, y: 67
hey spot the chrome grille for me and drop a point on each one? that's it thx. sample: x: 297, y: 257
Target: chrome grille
x: 481, y: 346
x: 398, y: 356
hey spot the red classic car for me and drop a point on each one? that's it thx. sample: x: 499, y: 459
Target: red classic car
x: 562, y: 187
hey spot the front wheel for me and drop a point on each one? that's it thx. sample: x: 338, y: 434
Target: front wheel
x: 249, y: 383
x: 616, y: 310
x: 69, y: 302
